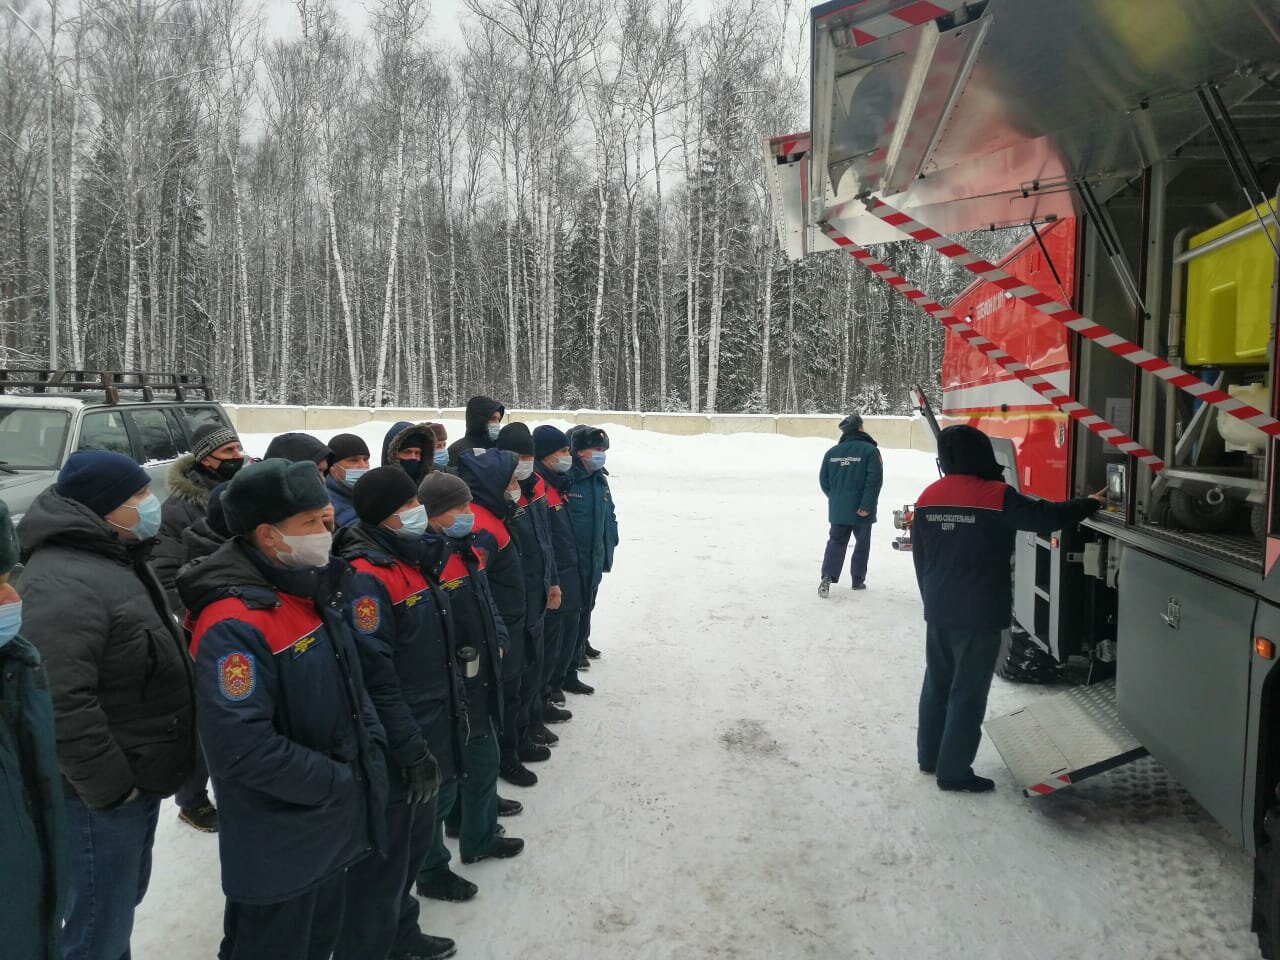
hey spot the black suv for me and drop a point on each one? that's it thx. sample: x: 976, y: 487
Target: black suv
x: 45, y: 416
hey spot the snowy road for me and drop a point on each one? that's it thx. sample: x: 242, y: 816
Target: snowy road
x: 743, y: 784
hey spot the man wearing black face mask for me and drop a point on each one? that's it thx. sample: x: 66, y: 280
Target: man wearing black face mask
x: 410, y: 447
x: 216, y: 456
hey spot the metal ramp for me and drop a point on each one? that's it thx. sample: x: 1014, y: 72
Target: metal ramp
x: 1057, y: 741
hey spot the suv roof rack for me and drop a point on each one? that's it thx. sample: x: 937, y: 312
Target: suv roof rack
x: 112, y: 383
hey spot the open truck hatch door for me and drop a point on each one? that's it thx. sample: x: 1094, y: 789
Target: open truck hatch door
x: 980, y: 114
x: 1056, y: 741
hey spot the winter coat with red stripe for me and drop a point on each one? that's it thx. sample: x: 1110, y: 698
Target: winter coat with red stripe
x: 478, y: 626
x: 564, y: 545
x: 962, y: 543
x: 292, y: 740
x: 407, y: 645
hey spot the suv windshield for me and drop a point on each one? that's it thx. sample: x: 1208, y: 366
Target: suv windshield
x: 32, y: 438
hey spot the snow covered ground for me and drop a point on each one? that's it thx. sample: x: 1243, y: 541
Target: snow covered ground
x: 743, y: 783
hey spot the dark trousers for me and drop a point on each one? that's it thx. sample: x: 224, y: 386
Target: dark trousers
x: 195, y: 790
x: 584, y: 628
x: 303, y: 928
x: 381, y: 916
x: 531, y: 682
x: 953, y: 700
x: 509, y: 735
x: 838, y: 543
x: 552, y: 630
x: 567, y: 654
x: 109, y: 867
x: 477, y: 796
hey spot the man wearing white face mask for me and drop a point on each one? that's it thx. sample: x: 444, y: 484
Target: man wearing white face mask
x: 121, y: 685
x: 295, y: 749
x: 408, y: 651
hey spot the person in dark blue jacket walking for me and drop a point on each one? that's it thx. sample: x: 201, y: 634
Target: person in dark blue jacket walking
x: 595, y: 529
x: 962, y: 541
x: 294, y: 745
x: 851, y: 476
x: 407, y: 649
x: 350, y: 463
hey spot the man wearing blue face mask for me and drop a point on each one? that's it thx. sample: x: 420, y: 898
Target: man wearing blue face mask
x: 121, y: 685
x: 32, y: 832
x: 440, y: 459
x: 553, y: 463
x: 408, y: 651
x: 595, y: 528
x: 292, y: 739
x: 484, y: 423
x: 350, y: 463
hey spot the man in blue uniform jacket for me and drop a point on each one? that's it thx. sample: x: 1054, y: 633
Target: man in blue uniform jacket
x: 294, y: 746
x: 962, y: 544
x: 851, y: 476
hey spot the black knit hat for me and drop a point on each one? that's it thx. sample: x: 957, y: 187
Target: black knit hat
x: 381, y: 492
x: 209, y: 437
x: 297, y: 447
x: 515, y: 436
x: 100, y: 479
x: 851, y: 424
x: 270, y: 491
x: 346, y: 445
x: 547, y: 440
x: 442, y: 492
x: 8, y: 541
x: 588, y: 438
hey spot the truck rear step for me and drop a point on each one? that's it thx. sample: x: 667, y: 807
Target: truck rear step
x: 1060, y: 740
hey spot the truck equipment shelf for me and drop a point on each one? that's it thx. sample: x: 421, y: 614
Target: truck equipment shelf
x: 1060, y: 740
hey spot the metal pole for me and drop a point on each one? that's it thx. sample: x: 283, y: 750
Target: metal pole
x: 53, y: 240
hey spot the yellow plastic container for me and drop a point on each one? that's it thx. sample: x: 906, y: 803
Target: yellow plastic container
x: 1228, y: 316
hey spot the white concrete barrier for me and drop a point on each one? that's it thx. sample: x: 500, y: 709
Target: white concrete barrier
x: 677, y: 424
x: 893, y: 433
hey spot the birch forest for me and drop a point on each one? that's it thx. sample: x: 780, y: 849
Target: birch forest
x: 561, y: 204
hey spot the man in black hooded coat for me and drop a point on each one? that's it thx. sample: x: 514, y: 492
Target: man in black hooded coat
x: 484, y: 421
x: 962, y: 540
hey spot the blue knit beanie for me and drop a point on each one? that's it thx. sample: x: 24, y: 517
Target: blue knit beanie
x: 100, y: 479
x: 547, y: 440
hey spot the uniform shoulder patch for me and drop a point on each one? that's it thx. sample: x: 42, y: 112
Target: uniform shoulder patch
x: 237, y: 676
x: 366, y: 614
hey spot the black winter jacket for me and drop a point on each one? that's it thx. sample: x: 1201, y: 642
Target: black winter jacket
x: 408, y: 650
x: 292, y: 740
x: 962, y: 543
x: 117, y: 664
x: 479, y: 411
x: 188, y: 499
x: 564, y: 543
x: 478, y: 626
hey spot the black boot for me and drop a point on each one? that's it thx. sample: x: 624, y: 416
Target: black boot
x: 554, y: 714
x: 516, y: 773
x: 557, y: 696
x: 202, y: 815
x: 502, y: 848
x: 450, y: 887
x: 531, y: 752
x: 577, y: 686
x: 973, y: 784
x: 592, y: 652
x: 540, y: 734
x: 582, y: 664
x: 423, y: 947
x: 509, y: 808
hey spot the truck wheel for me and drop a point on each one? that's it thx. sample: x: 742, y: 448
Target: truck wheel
x: 1258, y: 521
x: 1199, y: 512
x: 1266, y: 887
x: 1021, y: 661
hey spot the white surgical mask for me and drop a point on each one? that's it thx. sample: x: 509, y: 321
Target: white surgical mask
x: 513, y: 496
x: 413, y: 522
x: 563, y: 464
x: 524, y: 470
x: 306, y: 550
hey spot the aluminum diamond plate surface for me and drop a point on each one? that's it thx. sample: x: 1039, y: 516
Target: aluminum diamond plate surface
x: 1060, y: 740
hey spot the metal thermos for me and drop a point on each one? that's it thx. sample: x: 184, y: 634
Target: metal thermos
x: 470, y: 661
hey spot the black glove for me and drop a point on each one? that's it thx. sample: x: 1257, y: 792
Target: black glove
x: 422, y: 780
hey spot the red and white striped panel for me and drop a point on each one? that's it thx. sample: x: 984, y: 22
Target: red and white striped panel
x: 1041, y: 385
x: 1072, y: 320
x: 1049, y: 786
x: 900, y: 17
